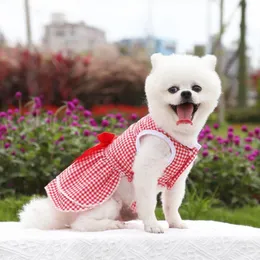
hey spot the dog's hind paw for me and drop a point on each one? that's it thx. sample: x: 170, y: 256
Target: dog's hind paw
x: 180, y: 225
x: 153, y: 228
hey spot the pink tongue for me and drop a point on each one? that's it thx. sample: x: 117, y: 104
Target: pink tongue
x: 184, y: 113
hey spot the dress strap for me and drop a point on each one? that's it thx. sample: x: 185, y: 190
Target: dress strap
x: 161, y: 136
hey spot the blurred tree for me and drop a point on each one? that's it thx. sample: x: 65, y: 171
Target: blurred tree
x: 199, y: 50
x: 219, y: 54
x: 242, y: 69
x: 2, y: 40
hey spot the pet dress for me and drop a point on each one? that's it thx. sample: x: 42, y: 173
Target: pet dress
x: 94, y: 176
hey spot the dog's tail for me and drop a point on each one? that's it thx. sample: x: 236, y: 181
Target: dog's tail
x: 40, y: 213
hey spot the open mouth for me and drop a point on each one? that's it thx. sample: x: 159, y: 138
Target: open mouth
x: 185, y: 112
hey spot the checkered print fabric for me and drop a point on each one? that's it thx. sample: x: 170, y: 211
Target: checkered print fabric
x: 93, y: 179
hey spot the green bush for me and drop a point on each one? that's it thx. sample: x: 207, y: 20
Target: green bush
x: 243, y: 115
x: 228, y: 167
x: 10, y: 207
x: 194, y: 207
x: 36, y: 147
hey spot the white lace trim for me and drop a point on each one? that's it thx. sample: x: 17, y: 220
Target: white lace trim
x: 160, y: 135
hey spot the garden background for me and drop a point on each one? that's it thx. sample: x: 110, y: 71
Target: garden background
x: 53, y: 105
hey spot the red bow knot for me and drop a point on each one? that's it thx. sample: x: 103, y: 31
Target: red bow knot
x: 105, y: 139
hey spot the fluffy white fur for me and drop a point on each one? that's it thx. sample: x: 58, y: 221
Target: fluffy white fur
x: 174, y: 70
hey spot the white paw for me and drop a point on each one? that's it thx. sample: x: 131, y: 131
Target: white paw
x: 179, y: 224
x: 117, y: 225
x: 153, y: 228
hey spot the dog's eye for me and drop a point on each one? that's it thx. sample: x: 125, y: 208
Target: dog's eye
x: 173, y: 89
x: 196, y: 88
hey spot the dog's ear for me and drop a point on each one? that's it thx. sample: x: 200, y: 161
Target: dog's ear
x: 155, y: 58
x: 210, y: 61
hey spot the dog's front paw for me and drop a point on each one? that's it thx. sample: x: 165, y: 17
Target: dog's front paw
x: 178, y: 224
x: 153, y: 228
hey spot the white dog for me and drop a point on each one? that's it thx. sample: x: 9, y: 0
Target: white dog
x: 154, y: 155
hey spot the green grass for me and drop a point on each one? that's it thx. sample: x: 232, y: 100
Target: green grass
x: 244, y: 216
x: 197, y: 209
x: 10, y: 207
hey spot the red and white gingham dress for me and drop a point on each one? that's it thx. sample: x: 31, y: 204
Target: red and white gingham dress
x: 93, y: 177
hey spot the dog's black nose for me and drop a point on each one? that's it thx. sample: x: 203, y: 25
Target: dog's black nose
x: 186, y: 94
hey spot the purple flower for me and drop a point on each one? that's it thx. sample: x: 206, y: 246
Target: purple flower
x: 59, y: 140
x: 111, y: 116
x: 22, y: 137
x: 22, y: 150
x: 105, y: 123
x: 220, y: 140
x: 205, y: 146
x: 87, y: 113
x: 86, y: 132
x: 210, y: 137
x: 68, y: 112
x: 3, y: 129
x: 71, y: 106
x: 256, y: 153
x: 230, y: 150
x: 62, y: 149
x: 75, y: 101
x: 18, y: 95
x: 9, y: 112
x: 76, y: 133
x: 118, y: 116
x: 49, y: 112
x: 92, y: 122
x: 250, y: 133
x: 250, y: 158
x: 76, y: 123
x: 64, y: 120
x: 248, y: 139
x: 248, y: 147
x: 205, y: 153
x: 226, y: 141
x: 14, y: 128
x: 230, y: 129
x: 257, y: 130
x: 36, y: 112
x: 7, y: 145
x: 201, y: 136
x: 207, y: 129
x: 215, y: 158
x: 13, y: 153
x: 244, y: 128
x: 16, y: 110
x: 216, y: 126
x: 38, y: 102
x: 47, y: 121
x: 133, y: 116
x: 81, y: 108
x: 230, y: 135
x: 3, y: 114
x: 252, y: 167
x: 237, y: 153
x: 20, y: 119
x: 119, y: 125
x: 75, y: 117
x: 236, y: 140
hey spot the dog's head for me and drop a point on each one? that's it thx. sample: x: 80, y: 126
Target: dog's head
x: 182, y: 91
